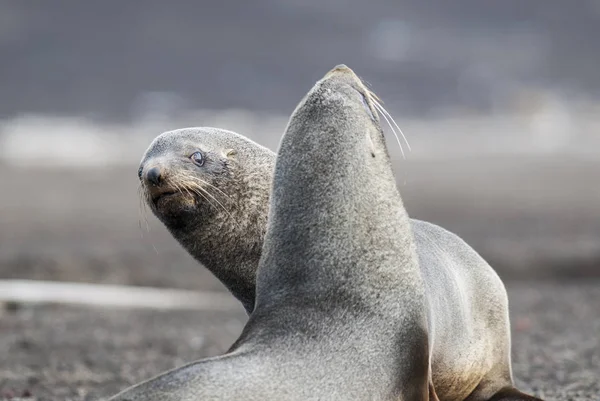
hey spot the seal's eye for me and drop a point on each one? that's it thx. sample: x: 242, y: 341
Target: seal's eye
x: 365, y: 103
x: 366, y: 106
x: 197, y: 158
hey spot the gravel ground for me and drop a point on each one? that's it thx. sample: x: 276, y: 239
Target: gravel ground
x: 68, y: 353
x: 84, y: 226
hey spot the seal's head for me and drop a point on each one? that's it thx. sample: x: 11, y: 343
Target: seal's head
x: 180, y: 173
x: 335, y: 209
x: 190, y: 175
x: 210, y: 188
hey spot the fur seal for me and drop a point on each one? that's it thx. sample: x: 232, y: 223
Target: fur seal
x: 210, y: 188
x: 332, y: 267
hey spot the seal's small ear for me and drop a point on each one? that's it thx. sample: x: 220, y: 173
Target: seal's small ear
x: 229, y: 152
x: 371, y: 145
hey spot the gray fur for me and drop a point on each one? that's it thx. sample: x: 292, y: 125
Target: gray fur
x: 355, y: 301
x: 224, y: 227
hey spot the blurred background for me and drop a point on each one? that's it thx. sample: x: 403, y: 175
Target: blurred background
x: 500, y: 102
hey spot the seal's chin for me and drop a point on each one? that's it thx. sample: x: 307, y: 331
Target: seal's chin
x: 163, y: 198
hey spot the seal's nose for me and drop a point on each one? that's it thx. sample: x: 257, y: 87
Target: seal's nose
x: 153, y: 175
x: 340, y: 70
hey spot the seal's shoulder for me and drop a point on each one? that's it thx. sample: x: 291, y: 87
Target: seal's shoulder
x: 437, y: 242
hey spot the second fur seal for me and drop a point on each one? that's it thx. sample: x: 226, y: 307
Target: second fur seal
x: 447, y: 305
x: 210, y: 187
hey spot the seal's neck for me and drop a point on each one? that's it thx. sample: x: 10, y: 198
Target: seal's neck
x: 229, y: 244
x: 337, y: 224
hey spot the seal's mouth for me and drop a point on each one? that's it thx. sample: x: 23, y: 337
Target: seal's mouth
x: 159, y: 197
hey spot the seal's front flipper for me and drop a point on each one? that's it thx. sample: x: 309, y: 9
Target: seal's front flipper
x: 512, y: 394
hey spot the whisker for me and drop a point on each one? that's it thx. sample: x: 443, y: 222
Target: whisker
x: 215, y: 199
x: 146, y: 215
x: 186, y: 189
x: 200, y: 193
x: 378, y: 107
x: 143, y: 211
x: 197, y: 180
x: 153, y: 247
x: 374, y: 96
x: 393, y: 121
x: 144, y: 201
x: 140, y: 210
x: 179, y: 187
x: 190, y: 185
x: 203, y: 193
x: 190, y: 176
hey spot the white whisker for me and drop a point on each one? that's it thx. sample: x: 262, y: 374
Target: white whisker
x: 205, y: 191
x: 143, y: 210
x: 200, y: 191
x: 378, y: 107
x: 186, y: 175
x: 393, y: 121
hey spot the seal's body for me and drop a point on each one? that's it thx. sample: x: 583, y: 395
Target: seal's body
x: 210, y: 188
x: 354, y: 300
